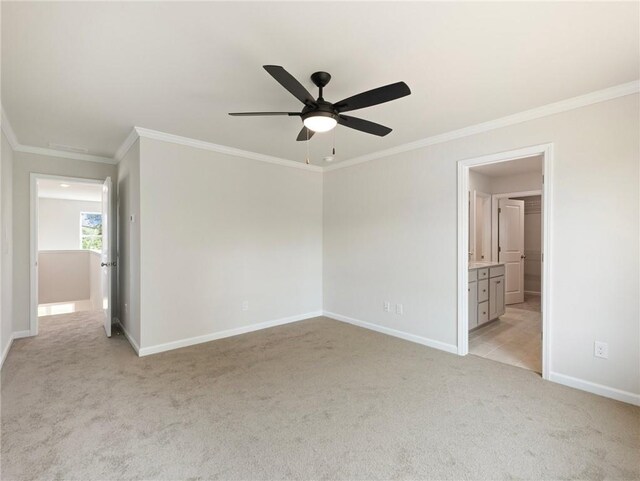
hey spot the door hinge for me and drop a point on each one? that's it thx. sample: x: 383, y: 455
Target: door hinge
x: 543, y: 178
x: 499, y: 210
x: 499, y: 249
x: 542, y: 257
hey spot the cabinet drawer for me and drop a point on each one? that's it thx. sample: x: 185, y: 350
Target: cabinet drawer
x: 483, y: 274
x: 496, y: 271
x: 483, y: 312
x: 483, y: 290
x: 473, y: 275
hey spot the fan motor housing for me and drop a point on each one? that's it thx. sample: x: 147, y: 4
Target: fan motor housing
x: 323, y: 109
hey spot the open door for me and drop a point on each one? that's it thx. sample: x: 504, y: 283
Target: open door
x: 107, y: 262
x: 511, y: 247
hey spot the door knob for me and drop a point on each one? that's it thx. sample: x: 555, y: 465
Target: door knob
x: 523, y: 256
x: 104, y: 264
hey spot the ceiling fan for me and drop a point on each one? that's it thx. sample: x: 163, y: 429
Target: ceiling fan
x: 318, y: 115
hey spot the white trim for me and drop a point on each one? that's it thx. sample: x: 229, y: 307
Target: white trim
x: 5, y: 353
x: 18, y: 147
x: 12, y: 337
x: 33, y: 239
x: 126, y: 145
x: 223, y: 149
x: 537, y: 293
x: 21, y: 334
x: 129, y: 337
x: 168, y: 346
x: 64, y: 154
x: 603, y: 95
x: 425, y: 341
x: 463, y: 243
x: 8, y: 130
x: 494, y: 216
x: 594, y: 388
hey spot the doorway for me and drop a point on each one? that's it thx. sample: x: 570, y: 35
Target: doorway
x: 70, y: 243
x: 503, y: 257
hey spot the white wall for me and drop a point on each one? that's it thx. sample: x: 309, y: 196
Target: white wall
x: 516, y: 183
x: 6, y: 245
x: 63, y: 276
x: 479, y: 182
x: 218, y: 230
x: 390, y: 234
x: 59, y: 222
x: 23, y: 165
x: 129, y: 242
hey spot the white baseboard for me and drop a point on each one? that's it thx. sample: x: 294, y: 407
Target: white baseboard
x: 131, y: 340
x: 425, y: 341
x: 21, y: 334
x: 169, y: 346
x: 537, y: 293
x: 5, y: 353
x: 599, y: 389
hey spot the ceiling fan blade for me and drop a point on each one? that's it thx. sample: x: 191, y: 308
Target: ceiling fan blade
x: 363, y: 125
x: 305, y: 134
x: 373, y: 97
x: 249, y: 114
x: 289, y: 82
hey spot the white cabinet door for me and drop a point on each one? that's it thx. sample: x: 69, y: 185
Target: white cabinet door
x: 496, y: 297
x: 473, y: 304
x: 511, y: 247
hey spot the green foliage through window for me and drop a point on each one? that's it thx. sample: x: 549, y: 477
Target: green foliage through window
x: 91, y: 231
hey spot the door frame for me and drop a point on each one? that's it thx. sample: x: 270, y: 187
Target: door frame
x: 546, y: 150
x: 33, y: 239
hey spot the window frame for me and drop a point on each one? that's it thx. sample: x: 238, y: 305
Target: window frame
x: 82, y: 236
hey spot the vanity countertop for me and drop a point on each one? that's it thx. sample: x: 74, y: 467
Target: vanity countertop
x: 482, y: 265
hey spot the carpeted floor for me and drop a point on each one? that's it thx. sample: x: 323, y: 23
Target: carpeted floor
x: 317, y: 399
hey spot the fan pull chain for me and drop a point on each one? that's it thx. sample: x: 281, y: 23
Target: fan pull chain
x: 307, y: 146
x: 333, y: 151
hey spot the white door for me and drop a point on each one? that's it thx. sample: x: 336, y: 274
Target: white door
x: 107, y: 255
x: 511, y: 247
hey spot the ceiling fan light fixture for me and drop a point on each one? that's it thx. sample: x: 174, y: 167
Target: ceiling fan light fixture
x: 320, y: 123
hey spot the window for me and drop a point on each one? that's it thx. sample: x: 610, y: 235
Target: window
x: 91, y: 231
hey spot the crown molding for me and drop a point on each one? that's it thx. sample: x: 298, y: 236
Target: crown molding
x: 598, y: 96
x: 126, y: 145
x: 603, y: 95
x: 18, y: 147
x: 8, y: 130
x: 63, y: 154
x: 222, y: 149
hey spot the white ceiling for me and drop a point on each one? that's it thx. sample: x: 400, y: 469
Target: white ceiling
x: 84, y: 73
x: 526, y: 165
x: 53, y: 189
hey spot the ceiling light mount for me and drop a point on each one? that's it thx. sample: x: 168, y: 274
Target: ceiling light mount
x: 320, y: 118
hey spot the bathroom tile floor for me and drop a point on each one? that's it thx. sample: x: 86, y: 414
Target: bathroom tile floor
x: 514, y: 338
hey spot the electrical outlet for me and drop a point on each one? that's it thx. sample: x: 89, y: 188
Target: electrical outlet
x: 386, y: 307
x: 245, y: 305
x: 399, y: 309
x: 601, y: 349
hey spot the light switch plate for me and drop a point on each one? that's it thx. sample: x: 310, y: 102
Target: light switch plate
x: 399, y: 309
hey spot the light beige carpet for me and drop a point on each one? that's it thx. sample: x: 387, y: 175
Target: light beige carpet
x: 316, y: 399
